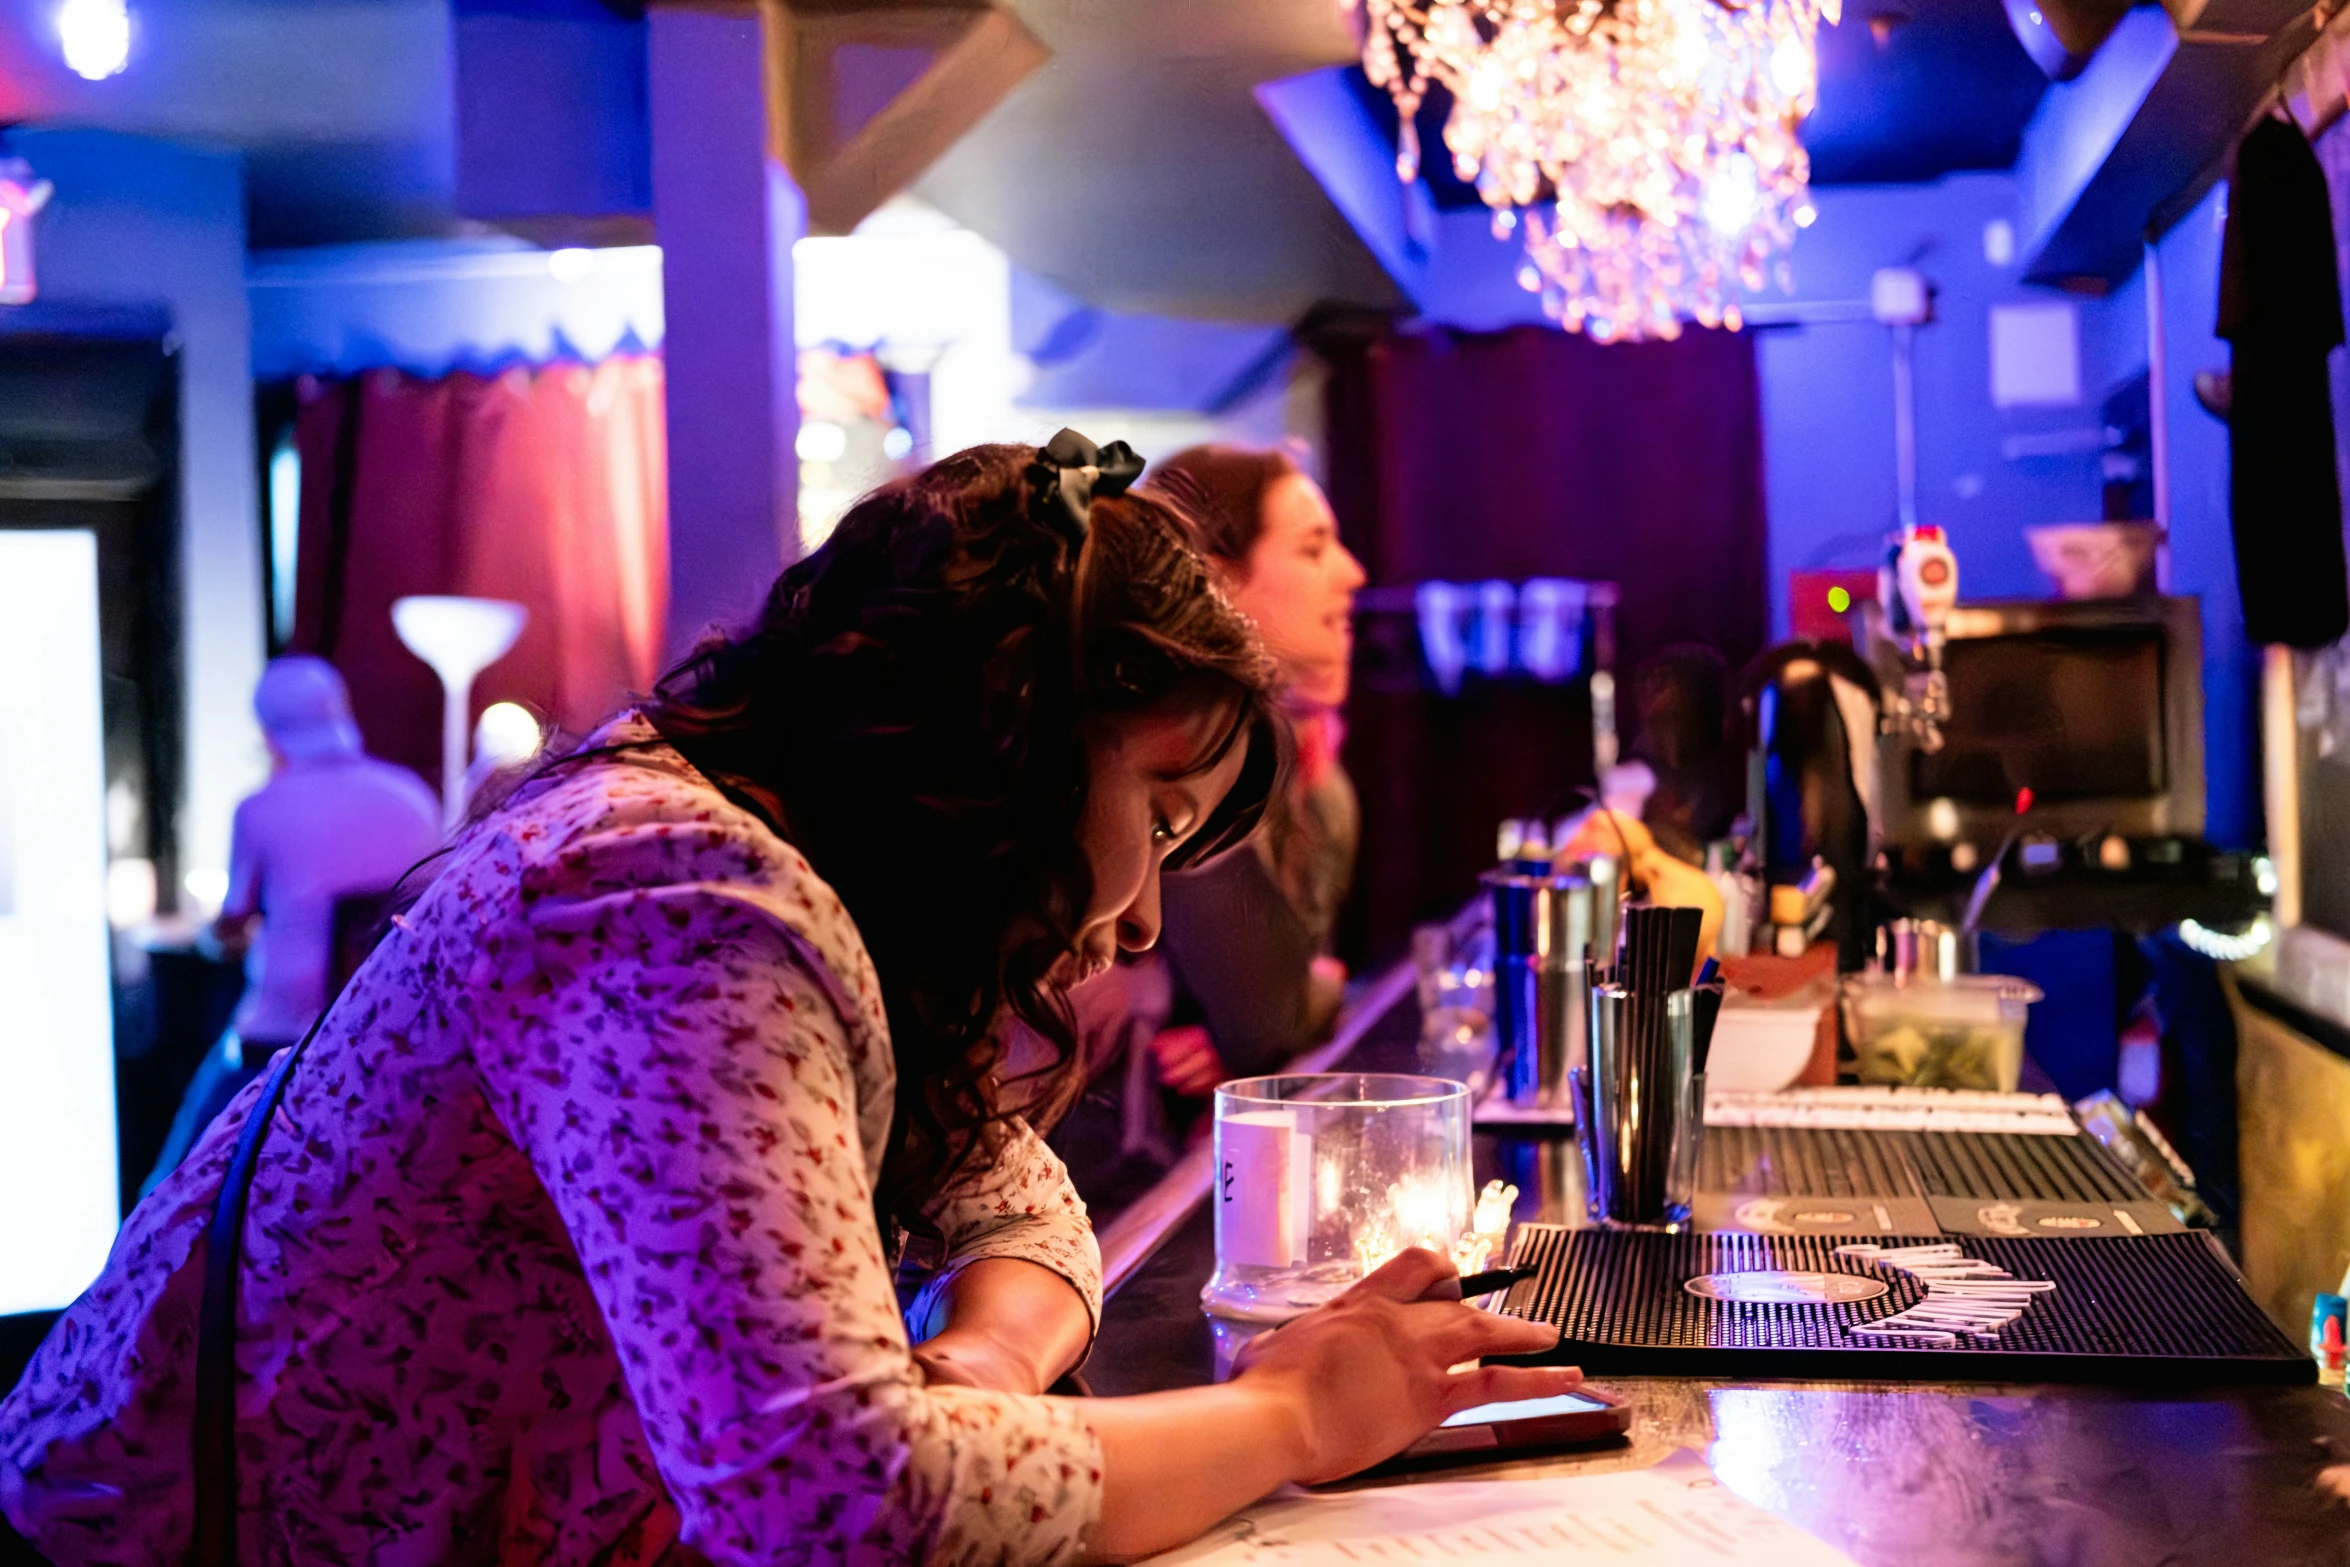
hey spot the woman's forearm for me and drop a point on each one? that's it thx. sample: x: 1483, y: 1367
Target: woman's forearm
x: 1174, y: 1463
x: 1007, y: 1324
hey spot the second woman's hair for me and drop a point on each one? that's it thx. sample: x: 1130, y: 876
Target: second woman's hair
x: 1220, y: 491
x: 911, y: 711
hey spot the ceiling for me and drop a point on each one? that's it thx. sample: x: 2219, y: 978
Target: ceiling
x: 1134, y: 169
x: 341, y: 108
x: 1948, y: 87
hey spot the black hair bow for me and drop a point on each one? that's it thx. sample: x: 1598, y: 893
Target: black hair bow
x: 1076, y: 473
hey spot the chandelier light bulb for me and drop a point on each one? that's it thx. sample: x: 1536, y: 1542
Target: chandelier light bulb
x: 1731, y: 197
x: 1792, y: 66
x: 1689, y: 50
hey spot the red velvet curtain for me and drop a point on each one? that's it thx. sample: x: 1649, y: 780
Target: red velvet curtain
x: 1463, y: 456
x: 546, y: 486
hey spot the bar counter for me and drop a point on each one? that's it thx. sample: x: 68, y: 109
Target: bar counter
x: 1892, y: 1473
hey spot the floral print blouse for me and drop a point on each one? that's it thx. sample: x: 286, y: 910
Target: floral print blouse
x: 562, y: 1250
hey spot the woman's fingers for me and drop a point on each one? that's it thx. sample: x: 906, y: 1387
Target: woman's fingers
x: 1466, y: 1333
x: 1406, y: 1276
x: 1507, y: 1385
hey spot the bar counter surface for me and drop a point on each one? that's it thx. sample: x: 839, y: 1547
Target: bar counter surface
x: 1892, y: 1473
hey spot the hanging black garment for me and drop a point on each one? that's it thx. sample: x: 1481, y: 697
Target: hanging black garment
x: 2280, y: 306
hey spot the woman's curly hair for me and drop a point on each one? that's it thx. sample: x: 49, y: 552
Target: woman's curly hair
x: 910, y: 710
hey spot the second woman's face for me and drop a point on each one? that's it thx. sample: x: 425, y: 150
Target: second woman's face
x: 1299, y: 587
x: 1145, y: 795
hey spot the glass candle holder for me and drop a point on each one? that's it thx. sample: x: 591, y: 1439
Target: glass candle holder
x: 1320, y: 1179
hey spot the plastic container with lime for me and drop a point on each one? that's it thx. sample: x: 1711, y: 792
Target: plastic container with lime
x: 1923, y: 1032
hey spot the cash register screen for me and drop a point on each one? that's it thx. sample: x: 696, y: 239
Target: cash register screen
x: 59, y: 1189
x: 2073, y: 714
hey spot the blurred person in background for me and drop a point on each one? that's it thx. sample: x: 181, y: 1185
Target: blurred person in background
x: 1676, y: 793
x: 1247, y: 939
x: 1681, y: 706
x: 331, y: 823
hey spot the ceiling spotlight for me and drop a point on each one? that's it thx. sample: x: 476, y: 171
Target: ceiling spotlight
x: 95, y: 36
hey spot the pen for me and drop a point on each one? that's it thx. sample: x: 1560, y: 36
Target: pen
x: 1472, y: 1285
x: 1492, y: 1279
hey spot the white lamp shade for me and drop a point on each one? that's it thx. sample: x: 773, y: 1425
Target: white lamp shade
x: 458, y: 637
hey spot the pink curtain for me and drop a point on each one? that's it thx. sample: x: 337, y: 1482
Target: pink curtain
x: 546, y: 486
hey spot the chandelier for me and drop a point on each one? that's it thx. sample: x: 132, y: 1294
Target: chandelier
x: 1648, y: 145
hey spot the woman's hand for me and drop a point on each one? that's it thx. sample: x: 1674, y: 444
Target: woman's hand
x: 1668, y: 882
x: 1375, y: 1370
x: 1187, y: 1061
x: 1335, y: 1391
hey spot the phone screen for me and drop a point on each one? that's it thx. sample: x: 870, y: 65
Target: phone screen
x: 1525, y: 1409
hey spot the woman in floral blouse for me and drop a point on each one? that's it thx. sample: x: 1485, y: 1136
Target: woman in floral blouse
x: 572, y: 1239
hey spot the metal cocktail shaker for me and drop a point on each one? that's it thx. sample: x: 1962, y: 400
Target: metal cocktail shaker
x: 1544, y: 926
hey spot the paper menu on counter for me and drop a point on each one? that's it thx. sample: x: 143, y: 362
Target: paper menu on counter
x: 1675, y: 1513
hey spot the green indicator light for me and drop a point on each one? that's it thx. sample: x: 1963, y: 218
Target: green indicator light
x: 1839, y: 600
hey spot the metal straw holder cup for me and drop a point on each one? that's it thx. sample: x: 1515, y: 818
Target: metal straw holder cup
x: 1543, y: 929
x: 1641, y: 1107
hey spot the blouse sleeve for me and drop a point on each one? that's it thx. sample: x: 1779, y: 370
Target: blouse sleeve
x: 1016, y: 1201
x: 666, y: 1047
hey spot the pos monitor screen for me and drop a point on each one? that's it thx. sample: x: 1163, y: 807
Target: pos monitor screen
x: 2095, y: 707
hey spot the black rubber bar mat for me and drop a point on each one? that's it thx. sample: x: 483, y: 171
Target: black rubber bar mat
x: 1790, y: 1161
x: 2153, y: 1309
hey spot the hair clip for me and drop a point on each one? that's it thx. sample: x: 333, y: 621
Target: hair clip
x: 1078, y: 473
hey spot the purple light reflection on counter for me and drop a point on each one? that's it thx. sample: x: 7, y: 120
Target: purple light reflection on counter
x: 1899, y: 1476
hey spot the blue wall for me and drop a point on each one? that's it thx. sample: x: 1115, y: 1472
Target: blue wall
x: 551, y: 110
x: 1828, y: 396
x: 1828, y: 427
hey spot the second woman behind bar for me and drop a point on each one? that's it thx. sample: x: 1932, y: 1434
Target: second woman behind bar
x: 1248, y: 938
